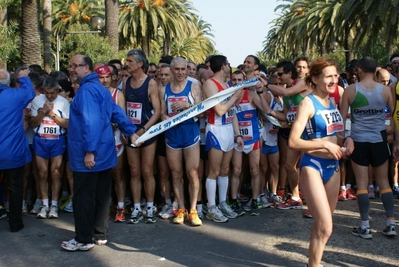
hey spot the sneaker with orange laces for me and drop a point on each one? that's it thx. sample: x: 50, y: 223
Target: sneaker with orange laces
x: 307, y: 214
x: 194, y: 219
x: 342, y: 195
x: 181, y: 215
x: 351, y: 194
x: 120, y: 214
x: 290, y: 204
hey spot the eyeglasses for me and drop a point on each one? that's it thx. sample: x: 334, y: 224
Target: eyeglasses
x: 74, y: 66
x: 280, y: 73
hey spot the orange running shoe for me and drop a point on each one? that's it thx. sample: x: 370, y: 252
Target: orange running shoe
x: 194, y: 219
x: 290, y: 204
x: 351, y: 194
x: 342, y: 195
x: 120, y: 215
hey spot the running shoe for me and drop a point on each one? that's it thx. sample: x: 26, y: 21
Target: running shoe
x: 395, y: 192
x: 149, y: 217
x: 265, y: 203
x: 36, y: 207
x: 69, y: 207
x: 351, y: 194
x: 254, y: 209
x: 136, y: 217
x: 214, y: 214
x: 166, y: 212
x: 3, y: 212
x: 100, y: 242
x: 181, y: 215
x: 120, y: 214
x: 236, y: 207
x: 307, y: 214
x: 199, y: 211
x: 371, y: 192
x: 53, y: 213
x: 247, y: 206
x: 275, y: 200
x: 63, y: 201
x: 342, y: 195
x: 290, y: 204
x: 194, y: 219
x: 242, y: 198
x: 42, y: 213
x: 281, y: 193
x: 363, y: 233
x: 24, y: 208
x: 227, y: 211
x: 389, y: 230
x: 205, y: 209
x: 73, y: 245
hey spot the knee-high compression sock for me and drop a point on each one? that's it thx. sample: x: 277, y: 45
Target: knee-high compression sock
x: 210, y: 186
x: 387, y: 200
x: 223, y: 184
x: 363, y: 202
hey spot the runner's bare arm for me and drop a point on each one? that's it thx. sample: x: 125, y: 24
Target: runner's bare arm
x: 282, y: 91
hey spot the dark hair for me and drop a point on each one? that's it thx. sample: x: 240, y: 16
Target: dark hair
x: 367, y: 64
x: 208, y: 58
x: 114, y: 61
x: 166, y: 59
x: 114, y: 70
x: 202, y: 66
x: 89, y: 62
x: 51, y: 82
x: 317, y: 68
x: 302, y: 58
x: 238, y: 72
x: 287, y: 67
x: 63, y: 80
x: 351, y: 65
x: 35, y: 67
x: 36, y: 79
x: 217, y: 62
x: 262, y: 67
x: 256, y: 59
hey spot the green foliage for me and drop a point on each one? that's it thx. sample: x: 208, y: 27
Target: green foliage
x: 9, y: 43
x: 94, y: 45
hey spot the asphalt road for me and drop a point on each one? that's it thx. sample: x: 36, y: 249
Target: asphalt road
x: 275, y: 238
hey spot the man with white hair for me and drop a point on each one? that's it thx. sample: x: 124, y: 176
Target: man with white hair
x: 14, y: 150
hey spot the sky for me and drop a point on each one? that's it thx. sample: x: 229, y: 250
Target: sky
x: 239, y: 26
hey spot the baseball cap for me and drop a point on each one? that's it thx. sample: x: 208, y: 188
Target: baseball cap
x: 103, y: 70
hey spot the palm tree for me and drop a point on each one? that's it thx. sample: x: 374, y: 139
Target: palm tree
x: 30, y: 32
x: 111, y: 22
x: 140, y: 20
x: 47, y: 28
x: 67, y: 12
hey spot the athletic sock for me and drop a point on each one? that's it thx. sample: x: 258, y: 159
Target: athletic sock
x: 121, y: 204
x: 223, y: 184
x: 365, y: 224
x: 343, y: 187
x: 137, y: 206
x: 54, y: 203
x: 45, y: 202
x: 387, y: 200
x: 210, y: 185
x: 168, y: 202
x: 363, y: 203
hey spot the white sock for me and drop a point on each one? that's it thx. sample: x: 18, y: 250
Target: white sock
x: 24, y: 202
x: 54, y: 203
x: 395, y: 184
x: 150, y: 205
x: 348, y: 186
x: 210, y: 185
x: 137, y: 206
x: 45, y: 202
x: 389, y: 222
x: 343, y: 187
x: 371, y: 186
x: 168, y: 202
x: 223, y: 184
x: 295, y: 198
x: 121, y: 205
x: 175, y: 205
x: 365, y: 224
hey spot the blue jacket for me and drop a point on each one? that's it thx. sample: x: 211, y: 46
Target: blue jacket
x: 14, y: 146
x: 90, y: 130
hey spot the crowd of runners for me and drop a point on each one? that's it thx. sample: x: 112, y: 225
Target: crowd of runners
x: 304, y: 133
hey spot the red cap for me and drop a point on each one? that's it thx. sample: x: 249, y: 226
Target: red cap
x: 103, y: 70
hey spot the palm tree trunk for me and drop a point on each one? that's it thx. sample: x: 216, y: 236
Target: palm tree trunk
x: 47, y: 27
x: 111, y: 22
x: 3, y: 22
x: 166, y: 44
x: 30, y: 32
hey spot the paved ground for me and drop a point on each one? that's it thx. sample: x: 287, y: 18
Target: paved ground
x: 275, y: 238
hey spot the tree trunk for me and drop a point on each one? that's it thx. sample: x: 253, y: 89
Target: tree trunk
x: 145, y: 45
x: 47, y: 27
x: 3, y: 22
x: 111, y: 22
x: 30, y: 32
x: 166, y: 44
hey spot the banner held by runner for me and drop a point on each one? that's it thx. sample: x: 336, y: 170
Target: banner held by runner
x: 194, y: 110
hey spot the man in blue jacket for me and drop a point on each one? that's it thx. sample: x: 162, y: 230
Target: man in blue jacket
x: 92, y: 154
x: 14, y: 148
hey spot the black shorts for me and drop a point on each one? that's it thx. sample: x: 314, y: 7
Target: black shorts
x: 284, y: 132
x: 161, y: 145
x: 374, y: 154
x: 203, y: 153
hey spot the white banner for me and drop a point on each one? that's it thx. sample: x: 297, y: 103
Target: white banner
x: 194, y: 110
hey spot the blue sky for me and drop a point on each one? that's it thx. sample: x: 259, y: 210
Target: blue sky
x: 239, y: 26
